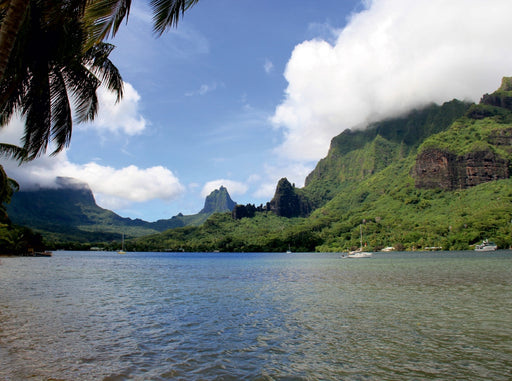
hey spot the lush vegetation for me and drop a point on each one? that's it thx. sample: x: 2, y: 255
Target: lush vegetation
x: 393, y: 213
x: 366, y: 182
x: 369, y: 186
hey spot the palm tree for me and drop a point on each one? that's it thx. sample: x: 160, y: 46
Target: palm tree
x: 105, y: 16
x: 48, y: 69
x: 53, y: 49
x: 12, y: 13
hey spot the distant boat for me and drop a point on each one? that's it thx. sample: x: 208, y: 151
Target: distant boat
x: 122, y: 246
x: 359, y: 253
x: 43, y: 254
x: 289, y: 251
x: 389, y: 248
x: 486, y: 245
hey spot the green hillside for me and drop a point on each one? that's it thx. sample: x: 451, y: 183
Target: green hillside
x: 435, y: 177
x: 374, y: 178
x: 69, y: 213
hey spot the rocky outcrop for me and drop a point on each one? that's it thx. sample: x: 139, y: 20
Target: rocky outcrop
x: 502, y: 97
x: 218, y: 201
x: 436, y: 168
x: 287, y: 202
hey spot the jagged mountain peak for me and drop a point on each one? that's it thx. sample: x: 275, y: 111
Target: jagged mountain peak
x: 218, y: 201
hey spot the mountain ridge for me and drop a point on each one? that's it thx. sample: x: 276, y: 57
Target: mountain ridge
x: 378, y: 178
x: 373, y: 184
x: 68, y: 211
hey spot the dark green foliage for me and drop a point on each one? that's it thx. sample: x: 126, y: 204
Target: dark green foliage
x: 17, y: 240
x: 288, y: 202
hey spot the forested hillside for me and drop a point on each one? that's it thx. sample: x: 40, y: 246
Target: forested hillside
x: 377, y: 178
x: 68, y: 214
x: 435, y: 177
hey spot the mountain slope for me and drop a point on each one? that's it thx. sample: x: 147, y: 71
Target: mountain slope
x: 355, y: 155
x: 374, y: 178
x: 70, y: 213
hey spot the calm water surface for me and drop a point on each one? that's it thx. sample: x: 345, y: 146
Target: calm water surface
x: 152, y: 316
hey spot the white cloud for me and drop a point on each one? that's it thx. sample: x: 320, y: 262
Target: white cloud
x: 268, y: 66
x: 113, y: 188
x: 294, y: 171
x: 393, y: 56
x: 121, y: 117
x: 233, y: 187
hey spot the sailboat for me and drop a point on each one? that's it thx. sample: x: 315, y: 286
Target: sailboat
x: 122, y: 246
x: 359, y: 253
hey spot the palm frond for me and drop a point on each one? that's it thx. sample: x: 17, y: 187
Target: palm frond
x: 102, y: 67
x: 62, y: 123
x: 36, y: 109
x: 166, y: 13
x: 83, y: 85
x: 104, y: 18
x: 11, y: 151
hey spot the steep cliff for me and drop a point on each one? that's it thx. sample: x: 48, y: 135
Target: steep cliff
x: 436, y: 168
x: 355, y: 155
x: 475, y: 150
x: 218, y: 201
x: 288, y: 202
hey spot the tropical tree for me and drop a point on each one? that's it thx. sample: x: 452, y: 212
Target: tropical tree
x: 49, y: 69
x: 52, y: 51
x: 105, y: 16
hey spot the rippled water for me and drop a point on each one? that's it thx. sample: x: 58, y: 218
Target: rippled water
x: 148, y: 316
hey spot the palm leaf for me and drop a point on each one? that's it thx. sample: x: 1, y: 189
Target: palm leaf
x: 11, y: 151
x: 61, y: 124
x: 166, y: 13
x: 36, y: 109
x: 104, y: 18
x: 102, y: 67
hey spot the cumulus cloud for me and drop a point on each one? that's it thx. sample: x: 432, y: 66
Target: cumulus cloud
x: 294, y: 171
x: 121, y: 117
x: 113, y: 188
x: 234, y: 187
x: 393, y: 56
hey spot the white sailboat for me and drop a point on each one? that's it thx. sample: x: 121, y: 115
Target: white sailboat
x: 122, y: 246
x: 359, y: 253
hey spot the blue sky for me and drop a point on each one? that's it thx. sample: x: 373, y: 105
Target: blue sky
x: 243, y: 93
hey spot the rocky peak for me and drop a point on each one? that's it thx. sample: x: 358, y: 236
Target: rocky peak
x: 501, y: 97
x: 287, y: 202
x: 218, y: 201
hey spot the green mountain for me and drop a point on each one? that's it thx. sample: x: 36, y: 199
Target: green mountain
x: 69, y: 212
x: 436, y: 177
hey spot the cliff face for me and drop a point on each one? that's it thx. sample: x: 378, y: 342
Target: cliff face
x: 436, y: 168
x: 218, y: 201
x: 476, y: 150
x: 287, y: 202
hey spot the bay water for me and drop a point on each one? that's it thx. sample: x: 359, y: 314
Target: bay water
x: 256, y: 316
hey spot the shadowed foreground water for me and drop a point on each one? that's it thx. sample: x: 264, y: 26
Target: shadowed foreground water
x: 152, y: 316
